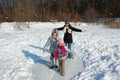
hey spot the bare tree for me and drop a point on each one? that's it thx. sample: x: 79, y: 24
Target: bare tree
x: 44, y: 10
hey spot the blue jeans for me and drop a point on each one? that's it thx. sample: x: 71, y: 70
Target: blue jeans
x: 68, y: 45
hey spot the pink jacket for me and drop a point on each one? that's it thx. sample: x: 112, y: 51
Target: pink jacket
x: 63, y: 54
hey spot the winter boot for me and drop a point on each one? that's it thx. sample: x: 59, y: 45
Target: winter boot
x: 51, y: 67
x: 52, y: 63
x: 70, y: 55
x: 56, y: 66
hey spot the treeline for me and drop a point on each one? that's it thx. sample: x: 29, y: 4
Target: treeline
x: 46, y: 10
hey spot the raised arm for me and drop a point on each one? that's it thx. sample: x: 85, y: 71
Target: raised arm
x: 75, y: 29
x: 46, y: 44
x: 61, y: 28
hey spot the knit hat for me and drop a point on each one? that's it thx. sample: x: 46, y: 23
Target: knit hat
x: 61, y: 41
x: 66, y: 22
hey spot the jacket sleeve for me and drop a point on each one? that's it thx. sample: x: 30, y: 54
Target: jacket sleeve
x: 77, y: 30
x: 47, y: 44
x: 61, y: 28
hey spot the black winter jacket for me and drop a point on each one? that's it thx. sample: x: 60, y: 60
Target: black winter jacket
x: 68, y: 33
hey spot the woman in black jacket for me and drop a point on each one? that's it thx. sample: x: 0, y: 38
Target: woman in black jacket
x: 68, y: 34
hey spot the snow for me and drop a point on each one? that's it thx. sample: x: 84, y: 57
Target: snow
x: 96, y: 53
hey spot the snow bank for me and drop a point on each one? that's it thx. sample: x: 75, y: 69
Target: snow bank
x: 100, y: 50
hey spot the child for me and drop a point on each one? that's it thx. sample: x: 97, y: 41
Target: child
x: 60, y: 54
x: 52, y: 42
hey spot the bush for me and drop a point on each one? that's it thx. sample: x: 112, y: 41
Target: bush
x: 113, y: 24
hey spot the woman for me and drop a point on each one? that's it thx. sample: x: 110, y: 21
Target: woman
x: 68, y: 35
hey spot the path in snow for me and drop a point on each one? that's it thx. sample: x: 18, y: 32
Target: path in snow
x: 40, y: 69
x: 22, y: 57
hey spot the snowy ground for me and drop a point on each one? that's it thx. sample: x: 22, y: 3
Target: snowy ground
x: 96, y: 53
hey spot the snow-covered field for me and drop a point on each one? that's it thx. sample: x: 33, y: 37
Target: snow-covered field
x: 96, y: 53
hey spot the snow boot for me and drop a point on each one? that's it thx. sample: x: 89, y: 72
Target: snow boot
x: 51, y: 67
x: 70, y: 55
x: 56, y: 66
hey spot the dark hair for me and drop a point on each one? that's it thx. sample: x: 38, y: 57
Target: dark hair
x: 68, y: 25
x: 54, y: 32
x: 66, y: 22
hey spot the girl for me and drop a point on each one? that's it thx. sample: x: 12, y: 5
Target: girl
x: 60, y: 54
x: 52, y: 42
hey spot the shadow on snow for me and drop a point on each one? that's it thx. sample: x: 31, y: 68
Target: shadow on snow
x: 36, y: 58
x: 39, y: 48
